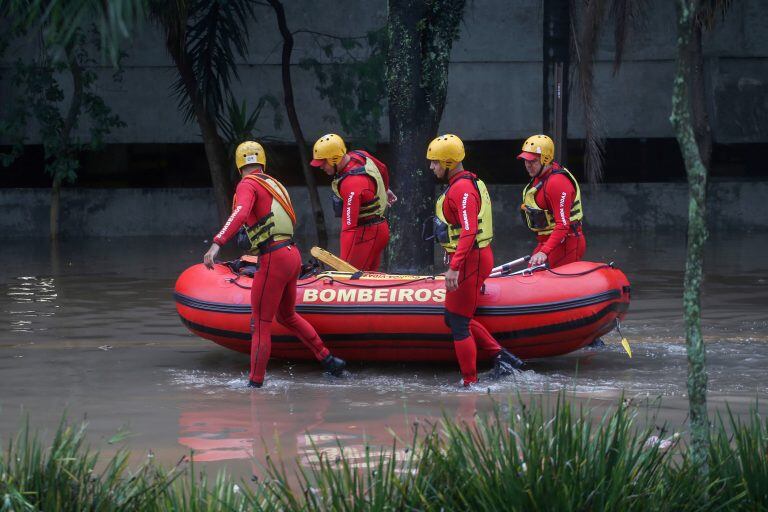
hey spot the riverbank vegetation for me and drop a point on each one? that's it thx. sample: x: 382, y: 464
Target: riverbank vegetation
x: 521, y: 457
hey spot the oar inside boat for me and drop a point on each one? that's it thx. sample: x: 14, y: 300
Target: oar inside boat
x: 506, y: 267
x: 332, y: 260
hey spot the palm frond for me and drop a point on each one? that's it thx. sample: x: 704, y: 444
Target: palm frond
x: 240, y: 123
x: 216, y: 35
x: 708, y: 11
x: 625, y: 13
x: 61, y: 19
x: 172, y: 17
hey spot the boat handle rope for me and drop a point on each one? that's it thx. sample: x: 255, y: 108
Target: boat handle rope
x: 343, y: 283
x: 544, y: 266
x: 577, y: 274
x: 233, y: 280
x: 427, y: 278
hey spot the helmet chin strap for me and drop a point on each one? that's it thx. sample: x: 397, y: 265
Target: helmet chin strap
x: 449, y: 173
x: 336, y: 165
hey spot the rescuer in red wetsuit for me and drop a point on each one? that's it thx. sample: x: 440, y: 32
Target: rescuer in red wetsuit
x: 552, y: 206
x: 464, y: 227
x: 361, y: 196
x: 263, y: 209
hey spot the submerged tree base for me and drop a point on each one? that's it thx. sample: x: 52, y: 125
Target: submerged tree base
x: 522, y: 457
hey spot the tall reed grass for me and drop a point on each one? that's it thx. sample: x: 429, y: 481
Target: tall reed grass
x: 520, y: 457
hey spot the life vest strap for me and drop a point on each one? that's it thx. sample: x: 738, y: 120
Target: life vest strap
x: 262, y: 229
x: 576, y: 228
x: 266, y: 248
x: 282, y: 198
x: 368, y: 221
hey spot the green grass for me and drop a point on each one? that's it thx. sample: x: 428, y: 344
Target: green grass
x: 521, y: 457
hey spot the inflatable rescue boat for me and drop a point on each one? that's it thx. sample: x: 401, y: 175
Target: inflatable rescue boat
x: 384, y: 317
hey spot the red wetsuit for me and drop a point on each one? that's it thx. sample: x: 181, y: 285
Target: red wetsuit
x: 362, y: 239
x: 273, y: 292
x: 566, y: 243
x: 462, y: 205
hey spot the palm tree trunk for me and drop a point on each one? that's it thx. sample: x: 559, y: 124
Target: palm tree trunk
x: 293, y: 118
x: 421, y: 36
x: 66, y: 130
x: 216, y: 154
x: 215, y: 150
x: 697, y: 234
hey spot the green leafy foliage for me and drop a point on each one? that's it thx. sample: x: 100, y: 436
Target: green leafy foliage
x: 535, y: 456
x: 353, y: 81
x: 42, y: 99
x: 65, y: 476
x: 61, y: 21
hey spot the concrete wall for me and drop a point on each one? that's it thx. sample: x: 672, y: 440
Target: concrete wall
x: 495, y: 75
x: 139, y: 212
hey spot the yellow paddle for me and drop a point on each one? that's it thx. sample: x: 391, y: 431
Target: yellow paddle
x: 625, y: 344
x: 332, y: 260
x: 624, y: 340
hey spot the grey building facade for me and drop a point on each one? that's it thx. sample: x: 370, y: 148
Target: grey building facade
x: 495, y: 75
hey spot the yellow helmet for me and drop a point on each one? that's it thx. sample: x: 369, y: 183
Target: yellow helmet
x: 447, y: 149
x: 328, y: 147
x: 250, y: 152
x: 538, y: 147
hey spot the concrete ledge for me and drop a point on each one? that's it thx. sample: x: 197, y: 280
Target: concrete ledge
x: 147, y: 212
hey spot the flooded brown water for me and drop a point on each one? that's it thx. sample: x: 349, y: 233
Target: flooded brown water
x: 89, y: 329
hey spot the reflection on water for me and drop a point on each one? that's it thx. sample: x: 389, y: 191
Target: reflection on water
x: 26, y: 290
x: 246, y: 430
x: 91, y: 328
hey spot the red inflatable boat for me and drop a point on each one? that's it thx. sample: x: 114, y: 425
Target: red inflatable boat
x: 383, y: 317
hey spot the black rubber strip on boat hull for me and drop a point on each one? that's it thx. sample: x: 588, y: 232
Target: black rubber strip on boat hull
x: 617, y: 307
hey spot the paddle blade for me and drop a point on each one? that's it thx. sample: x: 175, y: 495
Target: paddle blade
x: 332, y: 260
x: 625, y: 344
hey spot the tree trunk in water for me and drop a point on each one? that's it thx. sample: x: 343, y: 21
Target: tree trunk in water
x: 697, y: 234
x: 293, y: 118
x: 66, y: 131
x: 421, y: 36
x: 55, y: 207
x: 216, y: 154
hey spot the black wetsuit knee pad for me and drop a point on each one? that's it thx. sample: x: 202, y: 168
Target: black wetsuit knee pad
x: 458, y: 324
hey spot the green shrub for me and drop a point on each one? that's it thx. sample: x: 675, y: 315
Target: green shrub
x: 520, y: 457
